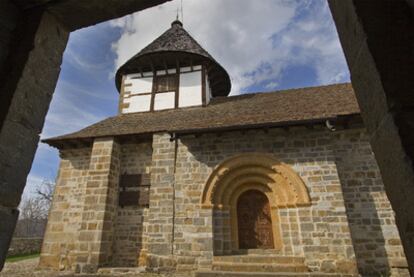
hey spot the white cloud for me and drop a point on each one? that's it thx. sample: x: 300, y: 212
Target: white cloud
x: 272, y: 85
x: 84, y: 53
x: 254, y: 40
x: 66, y: 117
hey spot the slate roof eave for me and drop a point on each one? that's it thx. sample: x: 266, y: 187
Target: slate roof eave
x: 280, y: 108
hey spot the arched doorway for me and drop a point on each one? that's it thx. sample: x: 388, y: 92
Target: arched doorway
x: 254, y: 221
x: 281, y: 186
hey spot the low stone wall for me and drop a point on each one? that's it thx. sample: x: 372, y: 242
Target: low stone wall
x: 21, y: 246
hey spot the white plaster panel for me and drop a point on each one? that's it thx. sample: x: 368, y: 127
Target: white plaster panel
x: 163, y: 72
x: 139, y: 85
x: 160, y: 72
x: 165, y: 100
x: 189, y: 69
x: 185, y: 69
x: 137, y: 103
x: 132, y: 76
x: 190, y: 89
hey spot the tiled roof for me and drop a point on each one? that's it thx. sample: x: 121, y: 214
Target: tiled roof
x: 279, y: 108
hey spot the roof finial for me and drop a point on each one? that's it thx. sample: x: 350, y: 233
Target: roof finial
x: 182, y: 14
x: 177, y: 21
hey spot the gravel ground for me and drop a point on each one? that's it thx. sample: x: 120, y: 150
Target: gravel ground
x: 27, y: 268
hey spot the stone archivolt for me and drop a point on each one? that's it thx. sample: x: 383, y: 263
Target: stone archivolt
x: 283, y: 186
x: 253, y: 171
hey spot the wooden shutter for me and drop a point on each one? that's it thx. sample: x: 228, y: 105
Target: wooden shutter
x: 134, y: 190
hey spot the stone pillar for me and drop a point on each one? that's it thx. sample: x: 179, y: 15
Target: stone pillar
x: 377, y: 38
x: 161, y: 208
x: 27, y: 87
x: 94, y: 247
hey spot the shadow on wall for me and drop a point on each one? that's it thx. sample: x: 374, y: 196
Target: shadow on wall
x: 367, y: 207
x: 129, y: 229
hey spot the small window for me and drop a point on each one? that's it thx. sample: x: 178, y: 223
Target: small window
x: 166, y: 83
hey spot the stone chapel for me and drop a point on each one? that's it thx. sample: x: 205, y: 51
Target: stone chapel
x: 186, y: 179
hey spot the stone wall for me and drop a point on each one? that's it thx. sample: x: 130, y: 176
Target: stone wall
x: 377, y: 41
x: 371, y: 219
x: 336, y: 168
x: 320, y: 232
x: 21, y: 246
x: 130, y: 224
x: 95, y: 242
x: 26, y: 86
x: 161, y: 214
x: 65, y: 216
x: 81, y: 222
x: 348, y: 225
x: 33, y: 36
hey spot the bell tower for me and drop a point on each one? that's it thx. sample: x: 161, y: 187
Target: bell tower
x: 172, y: 72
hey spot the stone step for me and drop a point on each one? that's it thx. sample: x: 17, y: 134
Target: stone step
x: 265, y: 274
x: 120, y: 270
x: 256, y: 251
x: 271, y: 259
x: 258, y: 267
x: 185, y: 267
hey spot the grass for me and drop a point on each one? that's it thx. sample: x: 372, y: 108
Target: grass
x: 18, y: 258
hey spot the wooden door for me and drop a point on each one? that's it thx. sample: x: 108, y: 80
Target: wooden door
x: 254, y: 221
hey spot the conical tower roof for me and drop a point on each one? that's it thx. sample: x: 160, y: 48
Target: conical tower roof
x: 173, y: 48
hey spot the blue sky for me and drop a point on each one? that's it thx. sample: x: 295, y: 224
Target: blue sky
x: 265, y: 45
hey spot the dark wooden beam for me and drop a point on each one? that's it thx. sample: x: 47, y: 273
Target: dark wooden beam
x: 177, y: 92
x: 203, y: 86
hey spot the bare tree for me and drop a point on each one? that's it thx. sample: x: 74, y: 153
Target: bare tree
x: 32, y: 218
x: 34, y: 211
x: 45, y: 190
